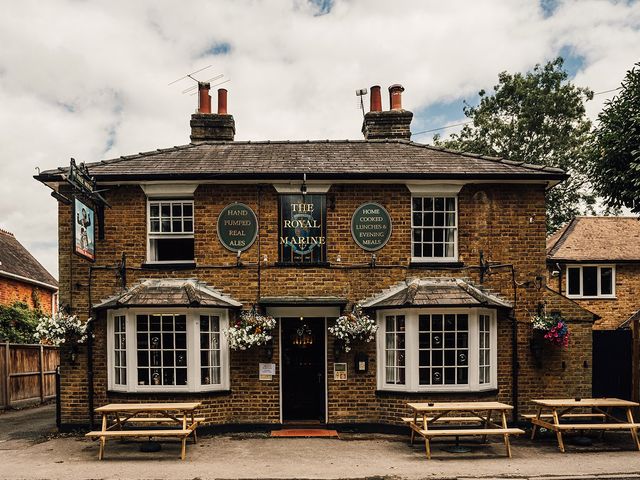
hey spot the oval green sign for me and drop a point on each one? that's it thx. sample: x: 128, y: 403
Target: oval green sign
x: 237, y: 227
x: 371, y: 226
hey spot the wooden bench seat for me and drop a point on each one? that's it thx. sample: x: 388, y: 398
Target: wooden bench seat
x: 140, y: 433
x: 450, y: 432
x: 529, y: 416
x: 598, y: 426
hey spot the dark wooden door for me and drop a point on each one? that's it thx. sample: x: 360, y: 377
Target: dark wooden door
x: 303, y: 369
x: 612, y: 363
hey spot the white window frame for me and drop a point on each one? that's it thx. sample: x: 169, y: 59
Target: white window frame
x: 163, y: 235
x: 193, y: 350
x: 432, y: 259
x: 599, y: 280
x: 412, y: 378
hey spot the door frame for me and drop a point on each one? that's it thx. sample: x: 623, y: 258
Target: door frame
x: 293, y: 312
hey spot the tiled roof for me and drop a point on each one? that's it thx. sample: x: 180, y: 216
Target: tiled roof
x: 595, y: 239
x: 169, y: 293
x: 318, y: 159
x: 16, y: 261
x: 435, y: 292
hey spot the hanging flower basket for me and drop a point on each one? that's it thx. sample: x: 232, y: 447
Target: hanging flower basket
x: 251, y: 329
x: 62, y: 329
x: 354, y: 327
x: 553, y: 328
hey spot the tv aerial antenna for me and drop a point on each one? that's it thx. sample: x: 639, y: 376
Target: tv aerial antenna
x: 361, y: 93
x: 192, y: 90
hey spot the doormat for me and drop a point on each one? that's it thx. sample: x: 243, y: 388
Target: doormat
x: 304, y: 432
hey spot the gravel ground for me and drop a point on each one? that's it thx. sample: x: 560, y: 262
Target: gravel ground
x: 30, y: 449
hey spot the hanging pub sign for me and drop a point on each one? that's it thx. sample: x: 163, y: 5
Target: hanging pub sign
x: 84, y: 227
x: 237, y: 227
x: 302, y: 229
x: 371, y: 226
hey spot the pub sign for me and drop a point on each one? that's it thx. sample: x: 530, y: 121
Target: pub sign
x: 371, y: 226
x: 84, y: 226
x: 237, y: 227
x: 302, y: 229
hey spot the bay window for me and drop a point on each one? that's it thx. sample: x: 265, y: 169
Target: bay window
x: 156, y: 350
x: 591, y: 281
x: 437, y: 350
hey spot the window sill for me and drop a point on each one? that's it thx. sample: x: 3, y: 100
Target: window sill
x: 170, y: 393
x: 302, y: 265
x: 169, y: 266
x: 436, y: 393
x: 435, y: 265
x: 577, y: 297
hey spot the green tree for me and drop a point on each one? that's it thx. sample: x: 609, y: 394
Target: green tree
x: 615, y: 160
x: 537, y: 118
x: 18, y: 323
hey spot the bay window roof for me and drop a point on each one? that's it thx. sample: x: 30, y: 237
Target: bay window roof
x: 169, y: 293
x: 435, y: 292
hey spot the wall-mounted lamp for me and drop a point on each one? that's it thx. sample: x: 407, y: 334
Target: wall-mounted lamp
x: 303, y: 187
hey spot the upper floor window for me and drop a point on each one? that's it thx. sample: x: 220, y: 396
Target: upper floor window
x: 591, y: 281
x: 437, y: 350
x: 151, y: 350
x: 434, y: 226
x: 170, y: 231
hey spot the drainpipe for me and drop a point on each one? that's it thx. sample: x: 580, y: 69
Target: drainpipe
x: 90, y: 354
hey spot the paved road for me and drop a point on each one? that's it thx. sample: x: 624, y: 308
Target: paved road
x: 29, y: 451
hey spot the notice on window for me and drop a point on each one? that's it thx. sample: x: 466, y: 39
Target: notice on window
x: 340, y: 371
x: 267, y: 371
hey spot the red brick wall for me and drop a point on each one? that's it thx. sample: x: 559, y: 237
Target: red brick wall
x: 505, y: 222
x: 15, y: 291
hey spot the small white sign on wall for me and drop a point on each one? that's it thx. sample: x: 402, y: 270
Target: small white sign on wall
x: 339, y: 371
x: 266, y: 371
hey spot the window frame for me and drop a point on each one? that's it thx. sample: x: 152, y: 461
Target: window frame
x: 432, y: 259
x: 169, y: 235
x: 599, y: 295
x: 412, y: 380
x: 193, y: 350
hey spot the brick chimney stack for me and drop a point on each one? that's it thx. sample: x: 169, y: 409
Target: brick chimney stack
x: 207, y: 126
x: 393, y: 123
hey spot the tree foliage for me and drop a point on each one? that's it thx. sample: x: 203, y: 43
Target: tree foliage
x: 615, y: 161
x: 538, y: 118
x: 18, y: 323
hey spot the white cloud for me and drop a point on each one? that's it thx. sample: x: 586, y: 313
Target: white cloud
x: 88, y: 79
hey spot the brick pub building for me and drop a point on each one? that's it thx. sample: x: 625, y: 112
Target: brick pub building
x: 452, y: 290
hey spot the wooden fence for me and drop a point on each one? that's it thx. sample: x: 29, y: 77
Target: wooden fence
x: 27, y: 373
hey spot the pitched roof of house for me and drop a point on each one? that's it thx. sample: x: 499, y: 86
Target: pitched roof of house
x: 596, y: 239
x: 169, y: 292
x: 320, y: 159
x: 450, y: 292
x: 16, y: 262
x: 629, y: 321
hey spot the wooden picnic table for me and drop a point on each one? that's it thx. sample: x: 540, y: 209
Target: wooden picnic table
x: 180, y: 415
x: 426, y: 415
x: 599, y: 409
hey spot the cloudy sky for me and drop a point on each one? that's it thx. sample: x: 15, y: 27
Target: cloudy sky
x: 89, y: 79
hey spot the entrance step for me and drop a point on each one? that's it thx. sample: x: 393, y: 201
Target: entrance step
x: 304, y: 433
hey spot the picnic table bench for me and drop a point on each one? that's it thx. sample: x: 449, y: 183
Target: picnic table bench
x: 180, y: 415
x: 426, y: 415
x: 600, y: 409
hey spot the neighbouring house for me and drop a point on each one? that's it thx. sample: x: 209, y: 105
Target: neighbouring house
x: 445, y: 250
x: 23, y: 278
x: 595, y: 261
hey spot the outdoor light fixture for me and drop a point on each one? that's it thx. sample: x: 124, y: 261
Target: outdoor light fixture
x: 303, y: 187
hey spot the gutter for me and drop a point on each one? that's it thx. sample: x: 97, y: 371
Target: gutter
x: 13, y: 276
